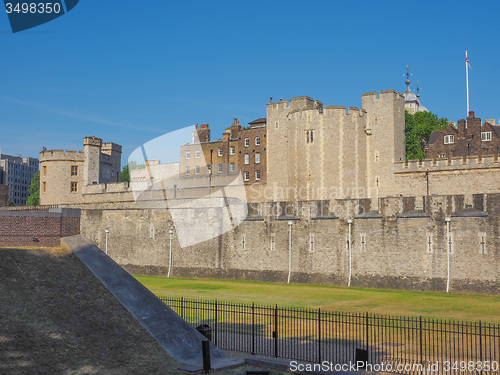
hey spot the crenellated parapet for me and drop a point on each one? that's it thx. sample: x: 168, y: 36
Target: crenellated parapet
x: 62, y: 155
x: 445, y: 164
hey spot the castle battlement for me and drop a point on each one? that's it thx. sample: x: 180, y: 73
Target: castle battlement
x: 382, y: 95
x: 110, y: 147
x: 71, y: 155
x: 456, y: 163
x: 114, y: 187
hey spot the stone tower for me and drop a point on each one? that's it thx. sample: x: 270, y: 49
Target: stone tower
x: 92, y: 151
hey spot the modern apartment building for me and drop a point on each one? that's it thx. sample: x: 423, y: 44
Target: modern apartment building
x: 17, y: 172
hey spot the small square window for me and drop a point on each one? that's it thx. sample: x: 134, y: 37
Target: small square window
x: 485, y: 136
x: 188, y: 155
x: 74, y: 170
x: 74, y: 187
x: 257, y: 141
x: 257, y: 175
x: 449, y: 139
x: 44, y: 170
x: 247, y: 142
x: 219, y: 151
x: 231, y: 150
x: 247, y: 176
x: 257, y: 157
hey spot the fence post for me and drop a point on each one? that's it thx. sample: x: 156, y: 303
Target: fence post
x: 421, y: 343
x: 480, y: 346
x: 276, y: 331
x: 182, y: 307
x: 319, y: 335
x: 367, y: 329
x: 253, y: 327
x: 216, y: 322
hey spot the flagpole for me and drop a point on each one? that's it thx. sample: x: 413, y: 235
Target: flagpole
x: 467, y: 81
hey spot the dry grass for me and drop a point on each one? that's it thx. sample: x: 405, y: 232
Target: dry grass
x: 56, y: 318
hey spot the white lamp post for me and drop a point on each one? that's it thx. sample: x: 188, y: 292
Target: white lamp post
x: 171, y: 232
x: 107, y: 232
x: 290, y: 223
x: 447, y: 219
x: 349, y: 221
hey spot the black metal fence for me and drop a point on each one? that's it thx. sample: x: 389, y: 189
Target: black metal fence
x: 406, y: 345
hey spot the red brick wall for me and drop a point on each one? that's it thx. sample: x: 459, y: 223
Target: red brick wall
x: 36, y: 228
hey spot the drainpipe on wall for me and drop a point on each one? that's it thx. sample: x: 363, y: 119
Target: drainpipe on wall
x: 290, y: 223
x: 349, y: 221
x: 170, y: 253
x: 447, y: 219
x: 107, y: 232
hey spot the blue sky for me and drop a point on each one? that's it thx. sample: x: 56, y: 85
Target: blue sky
x: 130, y: 71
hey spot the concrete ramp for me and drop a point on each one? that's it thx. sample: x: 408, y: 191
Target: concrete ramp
x: 181, y: 341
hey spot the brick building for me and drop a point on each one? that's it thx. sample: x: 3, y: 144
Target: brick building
x: 240, y: 149
x: 467, y: 139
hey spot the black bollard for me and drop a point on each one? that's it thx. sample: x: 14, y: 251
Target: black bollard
x: 205, y: 348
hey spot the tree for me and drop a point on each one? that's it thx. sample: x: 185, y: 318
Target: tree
x: 34, y: 190
x: 418, y: 129
x: 125, y: 174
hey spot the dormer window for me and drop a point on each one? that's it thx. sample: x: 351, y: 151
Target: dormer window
x: 485, y: 136
x: 449, y: 139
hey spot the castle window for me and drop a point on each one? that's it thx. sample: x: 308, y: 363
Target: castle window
x: 243, y: 243
x: 482, y: 243
x: 232, y: 168
x: 187, y: 171
x: 311, y: 242
x: 247, y: 142
x: 442, y: 155
x: 273, y: 241
x: 362, y: 241
x: 231, y: 150
x: 44, y: 187
x: 219, y: 168
x: 276, y: 125
x: 188, y: 154
x: 449, y: 139
x: 257, y: 158
x: 310, y: 136
x: 197, y: 154
x: 74, y: 170
x: 247, y: 159
x: 74, y: 187
x: 485, y: 136
x: 197, y: 169
x: 247, y: 176
x: 257, y: 175
x: 44, y: 170
x: 219, y: 151
x: 257, y: 141
x: 429, y: 243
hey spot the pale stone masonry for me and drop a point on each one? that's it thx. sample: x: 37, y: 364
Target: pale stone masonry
x: 64, y: 174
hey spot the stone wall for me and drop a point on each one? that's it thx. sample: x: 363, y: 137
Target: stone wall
x: 28, y: 228
x: 392, y: 244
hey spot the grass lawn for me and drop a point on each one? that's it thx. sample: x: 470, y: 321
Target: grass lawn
x: 470, y: 307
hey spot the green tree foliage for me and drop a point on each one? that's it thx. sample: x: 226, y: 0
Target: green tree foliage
x: 125, y: 174
x: 34, y: 190
x: 418, y: 129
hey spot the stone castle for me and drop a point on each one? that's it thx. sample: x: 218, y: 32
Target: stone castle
x: 320, y: 167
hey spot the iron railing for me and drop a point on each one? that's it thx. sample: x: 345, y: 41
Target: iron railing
x: 406, y: 345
